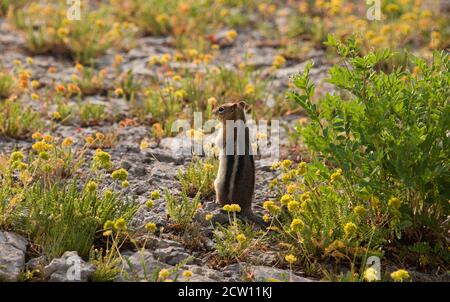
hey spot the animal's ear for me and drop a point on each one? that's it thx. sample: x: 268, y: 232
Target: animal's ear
x: 233, y: 107
x: 243, y: 104
x: 246, y: 107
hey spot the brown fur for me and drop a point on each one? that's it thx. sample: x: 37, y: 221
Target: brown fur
x: 235, y: 182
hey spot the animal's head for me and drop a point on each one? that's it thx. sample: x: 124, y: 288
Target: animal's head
x: 231, y: 111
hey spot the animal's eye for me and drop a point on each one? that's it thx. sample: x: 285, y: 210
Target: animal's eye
x: 221, y: 110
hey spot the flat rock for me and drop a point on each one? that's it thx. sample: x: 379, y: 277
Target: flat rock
x: 12, y: 255
x: 68, y: 268
x: 141, y: 266
x: 172, y: 255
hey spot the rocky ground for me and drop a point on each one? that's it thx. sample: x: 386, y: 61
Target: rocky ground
x: 155, y: 168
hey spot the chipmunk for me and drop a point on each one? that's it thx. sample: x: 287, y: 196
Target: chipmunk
x: 235, y: 182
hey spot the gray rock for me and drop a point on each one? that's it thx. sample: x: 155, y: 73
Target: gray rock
x: 266, y: 273
x: 139, y: 171
x: 260, y: 273
x: 12, y: 255
x: 140, y: 266
x: 172, y: 255
x: 68, y: 268
x: 36, y: 263
x: 203, y: 274
x: 126, y: 165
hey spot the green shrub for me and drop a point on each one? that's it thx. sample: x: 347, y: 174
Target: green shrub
x: 181, y: 212
x: 199, y: 176
x: 387, y: 131
x: 18, y: 120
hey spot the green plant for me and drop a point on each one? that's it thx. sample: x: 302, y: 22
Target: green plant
x: 234, y: 240
x: 387, y: 131
x: 60, y: 218
x: 89, y: 80
x: 199, y: 176
x: 6, y: 85
x: 50, y: 204
x: 46, y: 29
x: 107, y: 266
x: 18, y: 120
x: 91, y: 113
x: 181, y: 212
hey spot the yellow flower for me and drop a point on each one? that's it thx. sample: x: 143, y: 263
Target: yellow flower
x: 231, y: 35
x: 102, y: 159
x: 285, y: 199
x: 305, y: 196
x: 62, y: 32
x: 108, y: 194
x: 118, y: 59
x: 291, y: 259
x: 192, y: 52
x: 212, y: 101
x: 374, y: 202
x: 359, y: 211
x: 91, y: 186
x: 155, y: 194
x: 107, y: 233
x: 164, y: 273
x: 275, y: 165
x: 89, y: 139
x: 176, y: 78
x: 392, y: 8
x: 249, y: 89
x: 150, y: 203
x: 232, y: 207
x: 241, y: 238
x: 180, y: 94
x: 162, y: 18
x: 165, y: 58
x: 394, y: 202
x: 125, y: 183
x: 286, y: 163
x: 44, y: 155
x: 41, y: 146
x: 79, y: 67
x: 293, y: 206
x: 118, y: 92
x: 120, y: 174
x: 67, y: 142
x: 291, y: 188
x: 271, y: 207
x: 301, y: 168
x: 150, y: 227
x: 336, y: 175
x: 56, y: 115
x: 16, y: 156
x: 109, y: 224
x: 297, y: 225
x: 266, y: 218
x: 187, y: 274
x: 208, y: 217
x: 370, y: 274
x: 400, y: 275
x: 350, y: 228
x: 35, y: 96
x: 120, y: 224
x: 278, y: 61
x: 153, y: 60
x: 35, y: 84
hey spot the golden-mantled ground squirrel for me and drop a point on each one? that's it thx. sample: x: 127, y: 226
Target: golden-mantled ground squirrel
x: 235, y: 182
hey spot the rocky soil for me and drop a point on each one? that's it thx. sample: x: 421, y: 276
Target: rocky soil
x: 155, y: 168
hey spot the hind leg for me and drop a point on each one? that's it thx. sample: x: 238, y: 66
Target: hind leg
x: 221, y: 196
